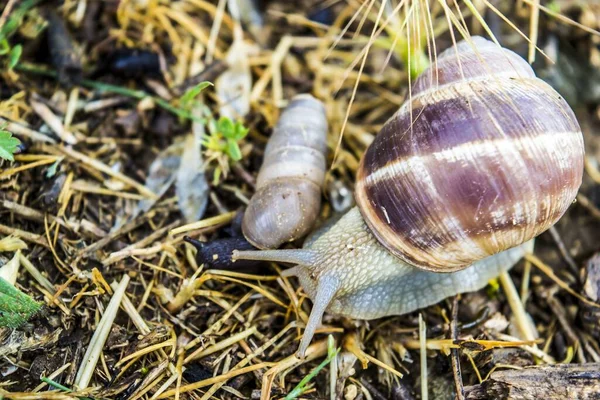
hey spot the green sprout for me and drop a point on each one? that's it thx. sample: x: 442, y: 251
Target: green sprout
x: 224, y: 137
x: 13, y: 53
x: 303, y: 385
x: 58, y: 386
x: 8, y: 145
x: 222, y: 143
x: 188, y: 99
x: 224, y: 133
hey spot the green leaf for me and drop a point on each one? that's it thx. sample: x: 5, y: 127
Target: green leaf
x: 8, y: 145
x: 303, y: 386
x: 53, y: 168
x: 193, y: 92
x: 14, y: 20
x: 16, y: 308
x: 14, y: 56
x: 239, y: 131
x: 233, y: 150
x: 11, y: 25
x: 4, y: 47
x: 226, y: 127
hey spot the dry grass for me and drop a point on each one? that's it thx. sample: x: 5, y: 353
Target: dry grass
x: 130, y: 313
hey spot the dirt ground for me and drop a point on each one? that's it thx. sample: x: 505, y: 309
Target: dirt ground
x: 143, y: 126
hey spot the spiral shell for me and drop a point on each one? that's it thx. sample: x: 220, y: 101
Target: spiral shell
x: 288, y: 188
x: 481, y: 161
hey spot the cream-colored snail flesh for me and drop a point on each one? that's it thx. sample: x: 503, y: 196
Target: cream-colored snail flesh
x: 481, y: 159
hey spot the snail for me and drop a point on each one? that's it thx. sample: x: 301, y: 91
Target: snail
x: 482, y: 158
x: 288, y: 188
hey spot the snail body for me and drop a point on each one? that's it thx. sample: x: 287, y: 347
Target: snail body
x: 288, y: 188
x: 450, y: 193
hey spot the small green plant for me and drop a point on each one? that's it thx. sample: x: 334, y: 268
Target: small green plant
x: 58, y: 386
x: 8, y: 145
x: 13, y: 53
x: 224, y: 137
x: 303, y: 385
x: 188, y: 99
x: 16, y: 308
x: 222, y: 143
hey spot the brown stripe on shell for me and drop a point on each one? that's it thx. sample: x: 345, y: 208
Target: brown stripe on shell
x: 485, y: 167
x: 455, y: 214
x: 465, y: 112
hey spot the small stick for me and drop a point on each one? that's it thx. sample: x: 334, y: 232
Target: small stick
x: 90, y: 359
x: 85, y: 187
x: 224, y: 343
x: 587, y: 204
x: 128, y: 227
x: 219, y: 219
x: 548, y: 359
x: 563, y: 250
x: 37, y: 275
x: 55, y: 123
x: 31, y: 213
x: 524, y: 325
x: 52, y: 376
x: 100, y: 166
x: 460, y: 390
x: 21, y: 130
x: 25, y: 235
x: 561, y: 314
x: 126, y: 252
x: 423, y: 356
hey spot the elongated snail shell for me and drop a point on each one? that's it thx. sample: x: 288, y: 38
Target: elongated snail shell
x: 482, y: 161
x: 288, y: 188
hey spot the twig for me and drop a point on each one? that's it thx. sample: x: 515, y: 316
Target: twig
x: 31, y: 213
x: 548, y: 359
x: 219, y: 219
x: 100, y: 166
x: 21, y: 130
x: 44, y: 112
x: 108, y: 88
x: 423, y: 356
x: 587, y: 204
x: 562, y: 284
x: 524, y: 325
x: 128, y: 227
x: 7, y: 9
x: 225, y: 343
x: 25, y: 235
x: 458, y: 383
x: 37, y: 275
x: 563, y: 250
x: 88, y: 365
x: 561, y: 314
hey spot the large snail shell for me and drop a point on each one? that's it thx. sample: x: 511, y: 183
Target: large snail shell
x: 482, y: 161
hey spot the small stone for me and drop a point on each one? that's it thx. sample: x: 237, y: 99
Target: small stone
x: 350, y: 392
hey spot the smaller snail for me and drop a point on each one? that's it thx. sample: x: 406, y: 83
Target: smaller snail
x: 288, y: 188
x: 450, y: 193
